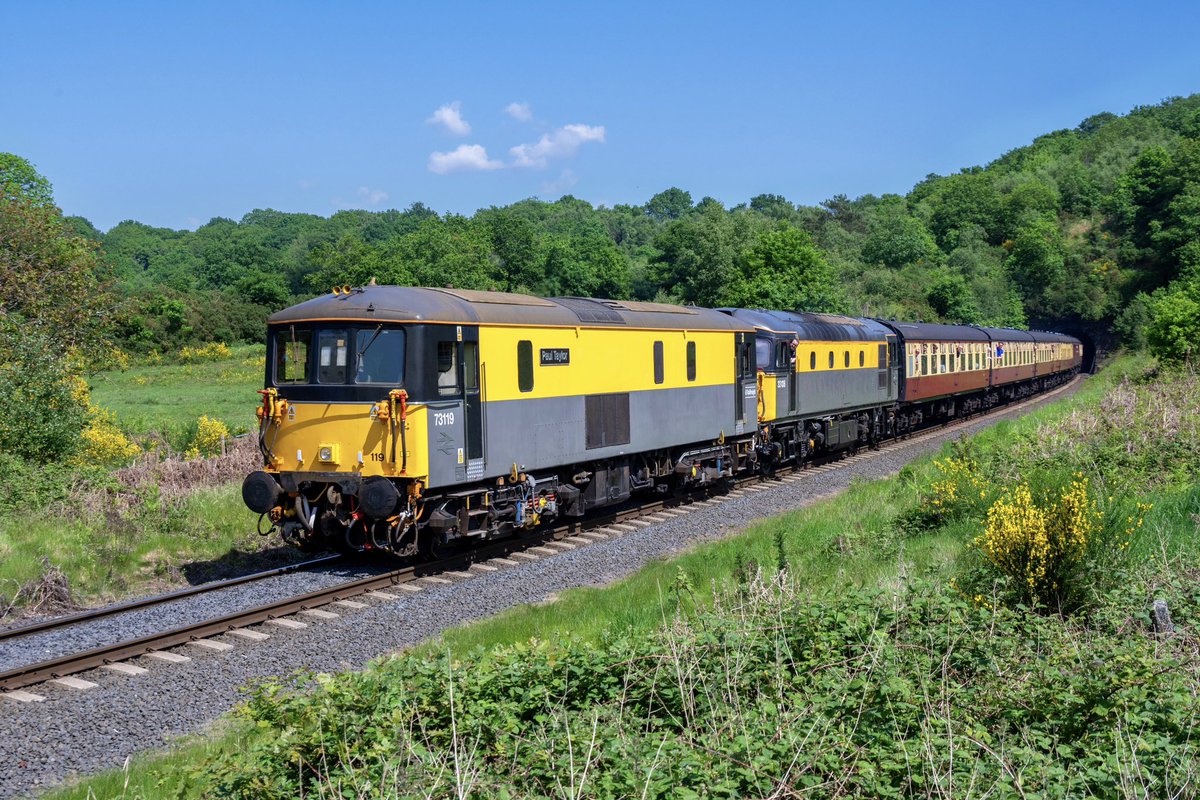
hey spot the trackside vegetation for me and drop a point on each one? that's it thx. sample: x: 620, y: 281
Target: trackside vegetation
x: 905, y: 639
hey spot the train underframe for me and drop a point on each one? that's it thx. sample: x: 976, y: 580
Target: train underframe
x: 347, y: 513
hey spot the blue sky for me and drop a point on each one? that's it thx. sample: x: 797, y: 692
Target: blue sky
x: 172, y: 113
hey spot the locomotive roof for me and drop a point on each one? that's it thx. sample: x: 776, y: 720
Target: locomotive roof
x: 811, y: 326
x: 468, y: 306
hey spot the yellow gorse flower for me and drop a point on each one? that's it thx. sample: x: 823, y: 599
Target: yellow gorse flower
x: 1037, y: 544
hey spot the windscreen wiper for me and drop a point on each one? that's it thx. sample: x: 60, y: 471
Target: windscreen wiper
x: 370, y: 342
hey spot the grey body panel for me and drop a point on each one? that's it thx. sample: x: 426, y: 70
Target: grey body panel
x: 447, y: 442
x: 840, y: 390
x: 547, y: 433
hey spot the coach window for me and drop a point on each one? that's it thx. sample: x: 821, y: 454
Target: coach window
x: 691, y: 361
x: 525, y: 365
x: 942, y: 365
x: 924, y: 364
x: 831, y: 359
x: 812, y: 360
x: 332, y: 350
x: 658, y: 362
x: 862, y: 358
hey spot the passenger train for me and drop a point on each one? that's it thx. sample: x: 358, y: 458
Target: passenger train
x: 403, y: 419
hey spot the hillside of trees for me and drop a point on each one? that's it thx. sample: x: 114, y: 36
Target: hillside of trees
x: 1088, y: 224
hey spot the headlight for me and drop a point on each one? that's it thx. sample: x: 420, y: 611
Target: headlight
x: 327, y: 453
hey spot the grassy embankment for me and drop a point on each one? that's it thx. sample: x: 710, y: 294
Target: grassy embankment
x: 156, y: 523
x: 887, y: 659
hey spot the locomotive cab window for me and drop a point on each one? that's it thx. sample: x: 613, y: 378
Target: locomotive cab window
x: 291, y: 356
x: 332, y: 356
x: 380, y: 355
x: 762, y: 352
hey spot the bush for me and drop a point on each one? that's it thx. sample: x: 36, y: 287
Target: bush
x: 43, y: 409
x: 207, y: 438
x: 104, y: 442
x: 1056, y: 549
x: 213, y: 351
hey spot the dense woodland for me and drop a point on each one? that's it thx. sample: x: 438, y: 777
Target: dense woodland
x: 1080, y: 224
x: 1099, y: 224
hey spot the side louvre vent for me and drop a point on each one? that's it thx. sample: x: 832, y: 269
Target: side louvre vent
x: 607, y: 419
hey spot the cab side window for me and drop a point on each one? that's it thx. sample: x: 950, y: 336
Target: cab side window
x: 447, y: 368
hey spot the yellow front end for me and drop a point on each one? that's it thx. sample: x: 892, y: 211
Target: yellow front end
x: 359, y: 438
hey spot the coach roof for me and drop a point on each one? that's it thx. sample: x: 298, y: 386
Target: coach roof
x: 471, y: 307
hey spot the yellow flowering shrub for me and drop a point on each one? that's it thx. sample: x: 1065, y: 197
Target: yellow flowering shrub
x: 1039, y: 545
x: 213, y: 351
x: 207, y: 439
x: 104, y: 442
x: 959, y: 489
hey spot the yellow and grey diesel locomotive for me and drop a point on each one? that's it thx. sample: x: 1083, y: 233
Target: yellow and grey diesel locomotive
x: 404, y: 418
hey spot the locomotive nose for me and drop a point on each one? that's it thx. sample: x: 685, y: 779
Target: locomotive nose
x: 261, y: 492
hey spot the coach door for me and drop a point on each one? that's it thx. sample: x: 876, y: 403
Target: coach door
x: 473, y: 403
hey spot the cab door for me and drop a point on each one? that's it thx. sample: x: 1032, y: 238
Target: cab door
x: 745, y: 381
x: 473, y: 404
x: 447, y: 420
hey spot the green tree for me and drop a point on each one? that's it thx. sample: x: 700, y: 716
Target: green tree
x: 1036, y: 260
x: 1173, y: 332
x: 954, y: 301
x: 784, y: 270
x: 897, y: 239
x: 19, y: 180
x: 670, y: 204
x: 41, y: 416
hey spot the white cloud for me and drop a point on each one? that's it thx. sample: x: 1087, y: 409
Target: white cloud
x: 563, y: 142
x: 519, y: 111
x: 450, y: 115
x: 565, y: 180
x: 464, y: 158
x: 371, y: 197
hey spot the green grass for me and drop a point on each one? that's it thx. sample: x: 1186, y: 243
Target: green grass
x: 106, y: 557
x: 167, y: 398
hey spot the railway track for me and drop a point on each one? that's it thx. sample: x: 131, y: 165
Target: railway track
x: 487, y: 558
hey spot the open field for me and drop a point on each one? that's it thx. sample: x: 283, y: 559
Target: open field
x: 847, y: 562
x: 167, y: 398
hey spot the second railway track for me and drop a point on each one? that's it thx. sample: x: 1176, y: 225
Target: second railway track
x: 281, y: 613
